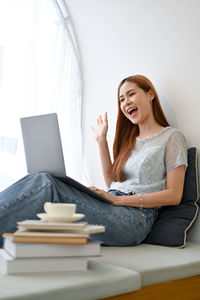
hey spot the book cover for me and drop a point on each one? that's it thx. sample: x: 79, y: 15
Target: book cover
x: 80, y: 227
x: 93, y: 248
x: 41, y: 225
x: 34, y: 237
x: 10, y: 265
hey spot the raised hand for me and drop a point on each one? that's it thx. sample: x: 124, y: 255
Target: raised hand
x: 101, y: 130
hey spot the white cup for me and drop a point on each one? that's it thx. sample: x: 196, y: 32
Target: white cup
x: 62, y: 210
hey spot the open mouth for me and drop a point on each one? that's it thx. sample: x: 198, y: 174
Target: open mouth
x: 132, y: 111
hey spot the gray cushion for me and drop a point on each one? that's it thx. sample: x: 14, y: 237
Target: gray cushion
x: 156, y: 264
x: 100, y: 281
x: 174, y: 222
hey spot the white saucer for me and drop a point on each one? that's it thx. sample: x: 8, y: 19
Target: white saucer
x: 74, y: 218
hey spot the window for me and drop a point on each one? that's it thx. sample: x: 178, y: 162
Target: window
x: 39, y: 74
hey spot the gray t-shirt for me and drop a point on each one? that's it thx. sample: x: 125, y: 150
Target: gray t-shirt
x: 146, y: 168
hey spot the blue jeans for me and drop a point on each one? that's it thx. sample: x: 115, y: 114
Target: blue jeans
x: 125, y: 226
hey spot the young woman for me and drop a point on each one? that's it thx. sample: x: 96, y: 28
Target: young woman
x: 148, y: 170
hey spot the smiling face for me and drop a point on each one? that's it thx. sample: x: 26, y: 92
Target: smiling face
x: 135, y: 103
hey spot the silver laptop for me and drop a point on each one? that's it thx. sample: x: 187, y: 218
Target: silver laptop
x: 42, y: 144
x: 43, y: 149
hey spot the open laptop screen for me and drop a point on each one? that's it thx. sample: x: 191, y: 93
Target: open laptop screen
x: 42, y: 144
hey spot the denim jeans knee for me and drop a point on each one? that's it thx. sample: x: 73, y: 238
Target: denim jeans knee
x: 23, y: 200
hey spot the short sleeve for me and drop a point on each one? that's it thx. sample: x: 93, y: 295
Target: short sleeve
x: 176, y: 151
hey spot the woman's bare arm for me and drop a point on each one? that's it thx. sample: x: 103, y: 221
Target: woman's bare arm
x: 100, y: 133
x: 170, y: 196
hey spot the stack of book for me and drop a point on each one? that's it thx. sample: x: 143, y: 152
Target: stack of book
x: 39, y: 246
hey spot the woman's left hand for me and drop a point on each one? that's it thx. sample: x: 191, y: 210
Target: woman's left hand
x: 116, y: 200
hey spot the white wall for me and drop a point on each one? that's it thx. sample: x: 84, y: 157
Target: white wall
x: 156, y: 38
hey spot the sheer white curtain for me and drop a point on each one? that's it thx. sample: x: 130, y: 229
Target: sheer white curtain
x: 39, y: 74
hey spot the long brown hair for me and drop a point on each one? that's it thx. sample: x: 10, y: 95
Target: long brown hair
x: 126, y: 132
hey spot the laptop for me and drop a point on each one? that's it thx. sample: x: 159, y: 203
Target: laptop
x: 43, y: 150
